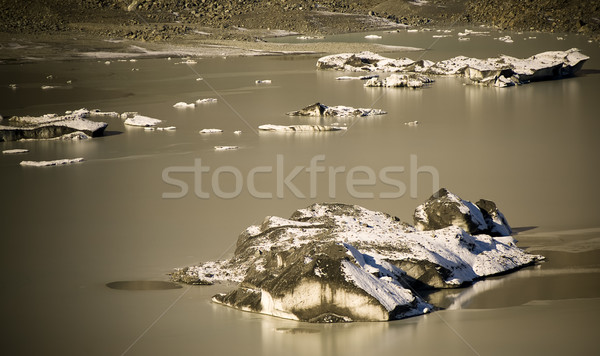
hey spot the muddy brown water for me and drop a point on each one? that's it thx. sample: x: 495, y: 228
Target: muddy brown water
x: 68, y: 231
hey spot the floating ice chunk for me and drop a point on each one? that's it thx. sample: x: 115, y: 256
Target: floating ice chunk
x: 226, y: 148
x: 206, y: 101
x: 441, y: 36
x: 412, y: 31
x: 46, y: 87
x: 127, y: 114
x: 187, y: 61
x: 133, y: 60
x: 319, y: 109
x: 15, y: 151
x: 107, y: 62
x: 263, y: 81
x: 199, y: 79
x: 12, y: 86
x: 362, y: 77
x: 238, y: 132
x: 168, y: 128
x: 310, y: 37
x: 372, y: 37
x: 506, y: 39
x: 98, y: 113
x: 560, y: 38
x: 183, y: 105
x: 58, y: 162
x: 140, y: 120
x: 411, y: 123
x: 149, y: 129
x: 399, y: 81
x: 210, y: 131
x: 464, y: 39
x: 299, y: 128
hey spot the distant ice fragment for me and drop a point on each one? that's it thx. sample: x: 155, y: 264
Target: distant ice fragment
x: 226, y: 148
x: 210, y: 131
x: 263, y: 81
x: 318, y: 109
x: 372, y: 37
x: 206, y: 101
x: 15, y: 151
x: 184, y: 105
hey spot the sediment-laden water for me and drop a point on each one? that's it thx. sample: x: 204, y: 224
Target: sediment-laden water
x: 144, y: 202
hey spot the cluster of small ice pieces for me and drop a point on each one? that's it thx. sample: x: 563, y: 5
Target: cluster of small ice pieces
x: 408, y: 80
x: 500, y: 71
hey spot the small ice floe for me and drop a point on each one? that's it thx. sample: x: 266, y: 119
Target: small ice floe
x: 128, y: 114
x: 199, y: 79
x: 210, y: 131
x: 473, y: 33
x: 299, y: 128
x: 560, y: 38
x: 206, y: 101
x: 532, y: 37
x: 310, y: 37
x: 409, y: 80
x: 168, y: 128
x: 15, y: 151
x: 187, y: 61
x: 411, y: 123
x: 263, y: 81
x: 372, y: 37
x: 464, y: 39
x: 50, y: 76
x: 412, y: 31
x: 69, y: 82
x: 107, y: 62
x: 506, y: 39
x: 318, y: 109
x: 238, y: 132
x: 135, y: 69
x: 226, y: 148
x: 143, y: 121
x: 184, y: 105
x: 12, y: 86
x: 98, y: 113
x: 47, y: 87
x: 441, y: 36
x: 362, y: 77
x: 133, y: 60
x: 58, y: 162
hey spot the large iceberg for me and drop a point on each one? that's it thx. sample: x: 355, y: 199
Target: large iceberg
x: 51, y: 126
x: 335, y: 262
x: 499, y: 71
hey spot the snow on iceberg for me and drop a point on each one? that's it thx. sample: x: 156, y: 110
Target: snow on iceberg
x: 333, y: 262
x: 50, y: 126
x: 500, y: 71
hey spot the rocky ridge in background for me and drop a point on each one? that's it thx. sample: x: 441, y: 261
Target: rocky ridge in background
x: 150, y: 20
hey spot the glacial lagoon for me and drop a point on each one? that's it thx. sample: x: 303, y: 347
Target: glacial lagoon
x: 69, y: 231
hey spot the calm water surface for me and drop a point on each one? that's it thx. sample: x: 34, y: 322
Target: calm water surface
x: 68, y: 231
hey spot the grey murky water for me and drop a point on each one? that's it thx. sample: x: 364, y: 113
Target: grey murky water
x: 68, y: 231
